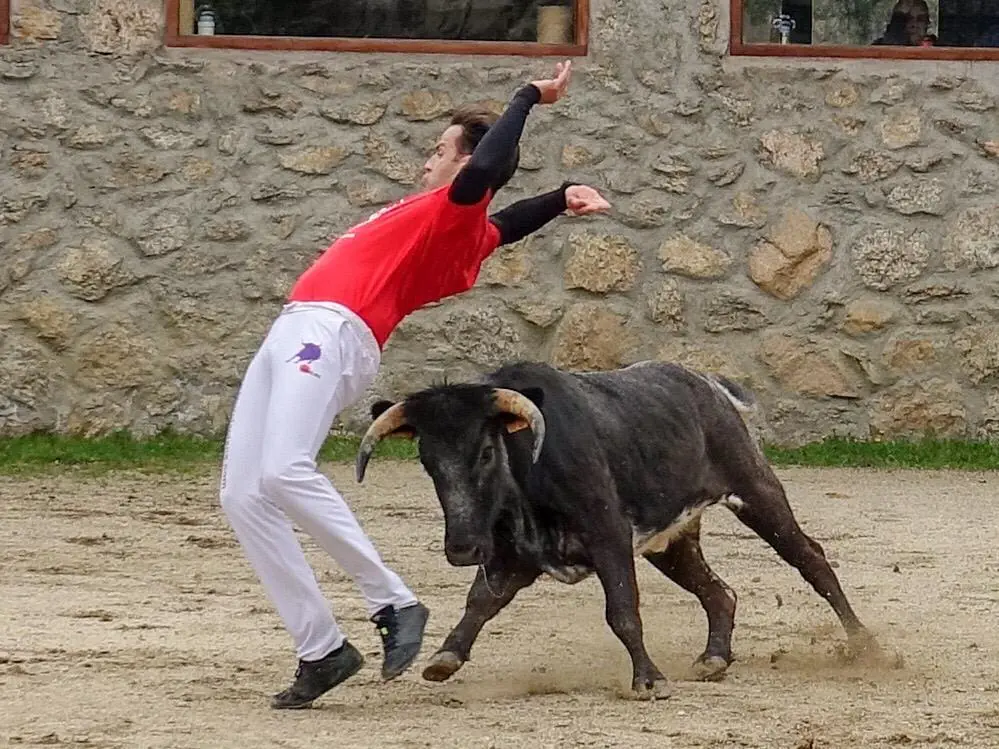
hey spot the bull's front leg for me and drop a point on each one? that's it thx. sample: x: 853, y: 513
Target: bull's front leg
x: 495, y: 585
x: 615, y: 566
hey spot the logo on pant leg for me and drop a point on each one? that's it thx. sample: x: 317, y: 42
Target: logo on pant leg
x: 307, y: 355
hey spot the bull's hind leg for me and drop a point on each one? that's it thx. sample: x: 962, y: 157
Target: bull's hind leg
x: 766, y: 511
x: 684, y: 563
x: 486, y: 598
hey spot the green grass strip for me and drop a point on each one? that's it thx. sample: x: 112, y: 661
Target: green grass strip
x: 925, y: 454
x: 45, y: 453
x: 167, y: 452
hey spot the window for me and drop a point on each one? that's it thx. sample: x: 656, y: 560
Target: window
x: 506, y: 27
x: 4, y: 21
x: 927, y: 29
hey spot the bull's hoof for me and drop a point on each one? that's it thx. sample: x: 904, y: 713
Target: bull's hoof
x: 865, y: 650
x: 862, y: 647
x: 660, y: 689
x: 442, y: 666
x: 710, y: 668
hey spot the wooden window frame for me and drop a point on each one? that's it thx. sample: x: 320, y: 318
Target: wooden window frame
x: 4, y: 21
x: 738, y: 48
x: 412, y: 46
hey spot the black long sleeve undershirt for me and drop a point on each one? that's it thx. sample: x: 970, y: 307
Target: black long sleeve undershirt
x: 495, y: 151
x: 526, y: 216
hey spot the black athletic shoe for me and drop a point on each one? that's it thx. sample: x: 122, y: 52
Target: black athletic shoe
x: 315, y: 678
x: 401, y: 631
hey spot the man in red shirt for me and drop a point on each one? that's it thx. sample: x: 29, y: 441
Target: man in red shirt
x: 324, y: 350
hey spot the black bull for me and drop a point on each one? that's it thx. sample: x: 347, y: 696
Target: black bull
x: 542, y: 471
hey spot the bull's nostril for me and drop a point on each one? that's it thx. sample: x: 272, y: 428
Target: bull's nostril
x: 463, y: 554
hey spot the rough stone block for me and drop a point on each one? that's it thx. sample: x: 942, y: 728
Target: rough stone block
x: 666, y: 304
x: 32, y: 22
x: 979, y: 349
x: 806, y: 368
x: 973, y: 239
x: 123, y: 27
x: 726, y: 311
x: 590, y: 337
x: 601, y: 263
x: 792, y: 153
x: 91, y: 270
x: 867, y: 315
x: 686, y: 257
x: 424, y: 105
x: 902, y: 128
x: 790, y: 260
x: 313, y: 160
x: 935, y: 407
x: 509, y: 265
x: 886, y: 257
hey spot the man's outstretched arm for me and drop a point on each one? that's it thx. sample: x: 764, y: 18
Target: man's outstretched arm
x: 495, y: 151
x: 525, y: 217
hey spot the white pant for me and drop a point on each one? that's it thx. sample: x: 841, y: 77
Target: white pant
x: 316, y: 360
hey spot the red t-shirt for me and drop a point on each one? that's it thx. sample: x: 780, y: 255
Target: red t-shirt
x: 419, y: 250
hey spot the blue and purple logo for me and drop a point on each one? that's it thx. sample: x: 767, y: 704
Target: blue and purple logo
x: 307, y: 355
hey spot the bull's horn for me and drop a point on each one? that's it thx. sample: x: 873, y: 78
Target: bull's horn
x: 390, y: 420
x: 518, y: 404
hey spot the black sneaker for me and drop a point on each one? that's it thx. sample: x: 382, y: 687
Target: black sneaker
x: 315, y: 678
x: 401, y: 631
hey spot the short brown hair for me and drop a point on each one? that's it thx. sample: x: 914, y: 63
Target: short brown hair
x: 475, y: 121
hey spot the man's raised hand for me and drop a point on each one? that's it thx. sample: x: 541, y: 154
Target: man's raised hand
x: 553, y: 89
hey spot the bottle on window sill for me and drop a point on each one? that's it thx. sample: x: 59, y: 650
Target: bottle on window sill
x: 206, y: 20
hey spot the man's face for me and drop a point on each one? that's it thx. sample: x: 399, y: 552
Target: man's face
x: 446, y: 161
x: 917, y: 22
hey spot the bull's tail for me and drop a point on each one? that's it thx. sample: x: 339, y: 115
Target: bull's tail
x: 740, y: 397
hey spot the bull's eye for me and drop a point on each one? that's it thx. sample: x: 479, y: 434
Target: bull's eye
x: 486, y: 456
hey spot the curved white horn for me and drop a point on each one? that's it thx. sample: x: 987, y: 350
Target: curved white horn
x: 518, y: 404
x: 390, y: 420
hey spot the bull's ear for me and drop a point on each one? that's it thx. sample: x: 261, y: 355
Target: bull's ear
x: 515, y: 423
x: 535, y: 395
x: 380, y: 407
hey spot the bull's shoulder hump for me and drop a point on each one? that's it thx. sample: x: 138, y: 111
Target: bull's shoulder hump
x: 640, y: 369
x: 523, y: 375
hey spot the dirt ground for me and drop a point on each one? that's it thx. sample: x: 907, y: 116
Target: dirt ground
x: 130, y: 619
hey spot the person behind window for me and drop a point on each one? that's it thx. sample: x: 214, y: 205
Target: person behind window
x: 908, y: 26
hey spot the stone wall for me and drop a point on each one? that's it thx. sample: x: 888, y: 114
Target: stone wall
x: 828, y: 232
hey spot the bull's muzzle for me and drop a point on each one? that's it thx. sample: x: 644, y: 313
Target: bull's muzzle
x: 464, y: 554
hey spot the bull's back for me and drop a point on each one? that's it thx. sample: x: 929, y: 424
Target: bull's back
x: 650, y: 423
x: 669, y: 398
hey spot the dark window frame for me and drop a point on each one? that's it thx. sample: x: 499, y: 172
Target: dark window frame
x: 578, y: 48
x: 738, y: 48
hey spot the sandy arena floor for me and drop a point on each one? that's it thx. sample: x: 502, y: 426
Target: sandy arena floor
x: 131, y: 620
